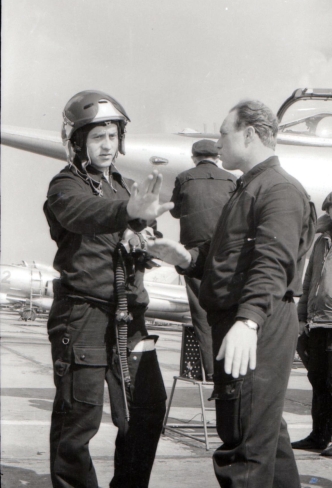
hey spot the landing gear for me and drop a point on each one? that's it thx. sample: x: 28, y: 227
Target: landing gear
x: 29, y: 314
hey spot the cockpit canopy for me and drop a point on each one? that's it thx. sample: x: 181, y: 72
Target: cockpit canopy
x: 306, y: 118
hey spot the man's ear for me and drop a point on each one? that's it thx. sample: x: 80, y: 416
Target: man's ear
x: 249, y: 134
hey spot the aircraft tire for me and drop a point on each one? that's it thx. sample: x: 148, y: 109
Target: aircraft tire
x: 29, y: 315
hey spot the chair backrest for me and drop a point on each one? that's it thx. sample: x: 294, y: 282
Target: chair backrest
x: 191, y: 365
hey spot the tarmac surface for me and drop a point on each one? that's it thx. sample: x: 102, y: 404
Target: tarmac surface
x: 181, y: 462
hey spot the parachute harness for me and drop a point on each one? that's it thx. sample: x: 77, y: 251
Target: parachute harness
x: 130, y: 250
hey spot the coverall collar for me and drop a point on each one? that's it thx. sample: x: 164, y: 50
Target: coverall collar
x: 245, y: 179
x: 206, y: 161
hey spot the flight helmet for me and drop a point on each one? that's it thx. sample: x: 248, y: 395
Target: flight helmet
x: 91, y: 107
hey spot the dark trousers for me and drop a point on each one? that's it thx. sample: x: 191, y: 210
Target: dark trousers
x: 78, y: 403
x: 256, y: 450
x: 319, y: 365
x: 200, y: 323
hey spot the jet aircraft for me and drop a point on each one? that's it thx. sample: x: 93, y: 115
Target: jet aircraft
x: 304, y: 148
x: 304, y: 145
x: 29, y: 289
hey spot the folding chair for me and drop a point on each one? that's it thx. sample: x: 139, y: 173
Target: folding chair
x: 192, y: 371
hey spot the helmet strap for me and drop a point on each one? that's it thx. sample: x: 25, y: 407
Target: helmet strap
x: 86, y: 163
x: 70, y: 152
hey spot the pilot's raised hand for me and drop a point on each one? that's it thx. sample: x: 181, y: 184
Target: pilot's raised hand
x: 170, y: 251
x: 144, y: 199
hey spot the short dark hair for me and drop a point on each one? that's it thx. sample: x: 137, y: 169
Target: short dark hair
x: 259, y: 116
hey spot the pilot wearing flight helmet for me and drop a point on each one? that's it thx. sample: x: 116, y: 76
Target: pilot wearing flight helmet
x: 96, y: 325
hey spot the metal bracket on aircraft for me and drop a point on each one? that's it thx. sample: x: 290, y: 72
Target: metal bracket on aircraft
x: 158, y: 161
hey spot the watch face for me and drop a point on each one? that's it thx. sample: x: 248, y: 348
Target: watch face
x: 251, y: 324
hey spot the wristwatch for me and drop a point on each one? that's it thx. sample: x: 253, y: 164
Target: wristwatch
x: 250, y: 323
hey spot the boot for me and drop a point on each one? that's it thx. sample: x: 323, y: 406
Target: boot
x: 309, y: 443
x: 327, y: 451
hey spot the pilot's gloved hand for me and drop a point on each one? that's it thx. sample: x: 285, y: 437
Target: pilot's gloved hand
x: 144, y: 199
x: 171, y: 252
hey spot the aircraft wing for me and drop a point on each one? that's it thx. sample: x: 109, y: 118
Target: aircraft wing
x: 13, y: 299
x: 304, y: 145
x: 35, y: 141
x: 4, y: 301
x: 304, y: 148
x: 168, y: 153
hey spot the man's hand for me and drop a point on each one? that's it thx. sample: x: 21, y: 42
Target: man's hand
x: 169, y: 251
x: 144, y: 199
x: 239, y: 349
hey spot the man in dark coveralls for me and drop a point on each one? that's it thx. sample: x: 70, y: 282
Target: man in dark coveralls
x: 199, y: 196
x: 315, y: 343
x: 88, y: 208
x: 250, y: 272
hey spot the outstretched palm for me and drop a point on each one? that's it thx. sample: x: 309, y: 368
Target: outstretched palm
x: 144, y: 199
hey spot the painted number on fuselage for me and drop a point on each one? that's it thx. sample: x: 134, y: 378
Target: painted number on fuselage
x: 6, y: 277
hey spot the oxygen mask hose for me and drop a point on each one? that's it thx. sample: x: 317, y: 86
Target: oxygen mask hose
x: 122, y: 319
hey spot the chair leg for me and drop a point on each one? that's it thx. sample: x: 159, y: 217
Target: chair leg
x: 204, y: 417
x: 169, y: 405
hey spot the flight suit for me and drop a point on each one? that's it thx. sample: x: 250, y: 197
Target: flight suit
x: 87, y: 215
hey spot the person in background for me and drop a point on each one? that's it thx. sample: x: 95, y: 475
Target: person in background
x: 96, y: 324
x: 199, y: 196
x: 315, y: 316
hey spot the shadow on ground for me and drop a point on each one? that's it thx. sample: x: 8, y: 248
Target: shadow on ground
x: 42, y: 405
x: 12, y: 477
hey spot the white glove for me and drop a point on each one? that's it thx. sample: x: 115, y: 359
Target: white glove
x: 171, y: 252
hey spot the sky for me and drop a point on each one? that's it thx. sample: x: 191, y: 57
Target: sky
x: 174, y: 64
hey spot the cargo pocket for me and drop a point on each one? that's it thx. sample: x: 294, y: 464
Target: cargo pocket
x: 228, y: 409
x: 147, y: 385
x: 64, y: 325
x: 89, y: 374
